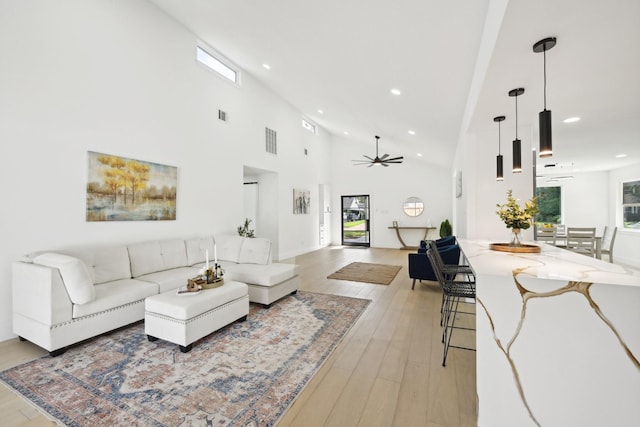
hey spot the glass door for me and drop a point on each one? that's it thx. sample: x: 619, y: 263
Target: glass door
x: 355, y: 220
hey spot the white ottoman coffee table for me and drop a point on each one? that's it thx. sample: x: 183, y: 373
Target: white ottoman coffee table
x: 185, y: 318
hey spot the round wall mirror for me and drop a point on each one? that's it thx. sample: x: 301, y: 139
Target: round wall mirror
x: 413, y: 206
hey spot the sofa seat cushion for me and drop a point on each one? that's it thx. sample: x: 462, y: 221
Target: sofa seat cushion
x: 171, y: 279
x: 75, y: 275
x: 258, y: 274
x: 115, y: 294
x: 188, y: 306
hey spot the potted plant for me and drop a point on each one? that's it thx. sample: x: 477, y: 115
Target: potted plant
x: 445, y: 228
x: 244, y: 230
x: 515, y: 217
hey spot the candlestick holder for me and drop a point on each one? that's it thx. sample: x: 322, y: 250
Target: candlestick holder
x: 214, y: 276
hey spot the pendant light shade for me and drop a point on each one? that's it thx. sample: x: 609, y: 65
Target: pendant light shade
x: 544, y: 117
x: 517, y: 144
x: 499, y: 169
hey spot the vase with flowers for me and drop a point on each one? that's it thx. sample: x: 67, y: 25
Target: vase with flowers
x: 515, y: 217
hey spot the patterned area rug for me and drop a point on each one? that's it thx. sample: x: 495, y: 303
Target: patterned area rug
x: 380, y: 274
x: 246, y: 374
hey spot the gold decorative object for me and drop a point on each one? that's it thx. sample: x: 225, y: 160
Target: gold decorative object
x: 523, y: 248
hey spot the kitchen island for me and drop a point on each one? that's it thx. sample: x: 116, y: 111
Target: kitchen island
x: 557, y: 339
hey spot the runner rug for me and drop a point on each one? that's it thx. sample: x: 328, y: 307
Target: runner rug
x: 380, y: 274
x: 246, y: 374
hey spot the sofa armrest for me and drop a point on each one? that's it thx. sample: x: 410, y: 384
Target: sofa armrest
x: 39, y: 294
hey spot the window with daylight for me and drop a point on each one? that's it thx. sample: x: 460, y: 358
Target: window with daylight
x: 216, y: 63
x: 631, y: 205
x: 549, y: 205
x: 309, y: 126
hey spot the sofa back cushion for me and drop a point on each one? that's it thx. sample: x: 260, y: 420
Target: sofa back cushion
x: 105, y: 264
x: 150, y: 257
x: 228, y: 247
x: 255, y: 251
x: 197, y: 248
x: 174, y: 253
x: 75, y: 275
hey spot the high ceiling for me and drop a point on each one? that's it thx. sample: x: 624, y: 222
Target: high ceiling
x: 344, y: 56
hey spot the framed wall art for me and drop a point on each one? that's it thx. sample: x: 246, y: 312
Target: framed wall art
x: 123, y: 189
x: 301, y: 201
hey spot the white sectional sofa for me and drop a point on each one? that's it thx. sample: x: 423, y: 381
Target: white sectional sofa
x: 66, y: 296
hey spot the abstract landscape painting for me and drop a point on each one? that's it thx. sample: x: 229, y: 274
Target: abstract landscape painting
x: 122, y: 189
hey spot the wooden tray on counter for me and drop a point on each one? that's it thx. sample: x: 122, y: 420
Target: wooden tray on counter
x: 523, y: 248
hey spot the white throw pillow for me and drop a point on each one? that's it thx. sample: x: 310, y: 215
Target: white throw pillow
x: 255, y: 251
x: 74, y: 273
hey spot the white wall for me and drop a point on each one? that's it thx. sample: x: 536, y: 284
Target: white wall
x: 627, y: 244
x: 476, y: 158
x: 120, y: 77
x: 388, y: 188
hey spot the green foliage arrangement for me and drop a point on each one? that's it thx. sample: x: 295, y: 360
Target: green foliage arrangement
x: 514, y: 216
x: 445, y: 228
x: 244, y: 230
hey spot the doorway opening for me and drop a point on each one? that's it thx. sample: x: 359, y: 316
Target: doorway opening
x: 355, y: 221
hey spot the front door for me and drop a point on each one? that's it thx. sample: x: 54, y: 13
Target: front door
x: 355, y: 220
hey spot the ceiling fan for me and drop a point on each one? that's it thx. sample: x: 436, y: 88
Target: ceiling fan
x: 379, y: 161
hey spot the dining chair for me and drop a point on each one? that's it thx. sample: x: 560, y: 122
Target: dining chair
x: 582, y: 240
x: 547, y: 235
x: 608, y: 237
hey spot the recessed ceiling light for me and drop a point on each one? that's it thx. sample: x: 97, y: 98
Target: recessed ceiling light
x: 395, y: 91
x: 571, y: 120
x: 320, y: 111
x: 346, y: 133
x: 621, y: 156
x: 419, y: 154
x: 266, y: 66
x: 412, y: 132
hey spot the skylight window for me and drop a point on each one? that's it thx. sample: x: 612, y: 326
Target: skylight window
x: 217, y: 64
x: 309, y: 126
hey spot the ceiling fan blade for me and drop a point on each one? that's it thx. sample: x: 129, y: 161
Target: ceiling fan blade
x: 394, y: 158
x: 384, y: 157
x: 385, y: 164
x: 368, y: 157
x: 393, y: 161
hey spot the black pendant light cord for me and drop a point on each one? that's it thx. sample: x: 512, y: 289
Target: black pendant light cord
x: 516, y: 116
x: 544, y: 61
x: 499, y: 137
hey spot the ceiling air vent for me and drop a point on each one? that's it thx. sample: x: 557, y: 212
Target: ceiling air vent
x: 271, y: 141
x: 222, y: 115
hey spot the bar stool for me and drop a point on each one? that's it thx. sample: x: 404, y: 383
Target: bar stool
x: 457, y: 283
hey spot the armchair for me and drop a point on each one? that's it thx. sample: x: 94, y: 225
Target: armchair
x: 420, y: 267
x: 445, y: 241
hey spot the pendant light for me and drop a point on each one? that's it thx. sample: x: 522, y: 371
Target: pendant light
x: 544, y: 117
x: 517, y: 145
x: 499, y: 174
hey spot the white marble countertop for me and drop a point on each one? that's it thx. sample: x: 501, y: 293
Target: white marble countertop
x: 557, y: 339
x: 550, y: 263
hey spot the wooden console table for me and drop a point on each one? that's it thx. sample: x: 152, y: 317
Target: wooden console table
x: 404, y: 245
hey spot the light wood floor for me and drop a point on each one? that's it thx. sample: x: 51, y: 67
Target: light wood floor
x: 386, y: 372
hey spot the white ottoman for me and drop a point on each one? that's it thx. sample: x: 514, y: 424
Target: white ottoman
x: 184, y: 319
